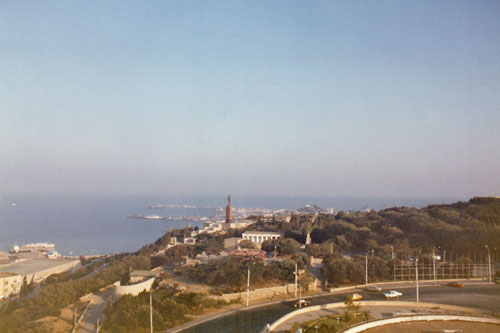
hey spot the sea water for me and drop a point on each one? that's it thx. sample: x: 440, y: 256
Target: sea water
x: 98, y: 224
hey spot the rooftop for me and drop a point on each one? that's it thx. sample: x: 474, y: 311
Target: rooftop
x: 262, y: 232
x: 28, y: 267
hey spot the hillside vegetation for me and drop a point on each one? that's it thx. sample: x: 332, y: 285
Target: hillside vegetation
x: 462, y: 227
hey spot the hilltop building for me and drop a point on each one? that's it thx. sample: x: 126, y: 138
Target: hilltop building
x: 35, y: 250
x: 258, y: 237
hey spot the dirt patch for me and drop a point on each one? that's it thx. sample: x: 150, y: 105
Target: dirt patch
x: 53, y: 324
x: 63, y: 323
x: 186, y: 284
x: 67, y: 314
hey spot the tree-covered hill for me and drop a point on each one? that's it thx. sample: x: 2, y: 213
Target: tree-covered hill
x: 462, y: 226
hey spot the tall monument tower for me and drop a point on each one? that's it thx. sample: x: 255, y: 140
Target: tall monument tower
x: 229, y: 210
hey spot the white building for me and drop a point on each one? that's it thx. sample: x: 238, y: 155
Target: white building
x: 258, y: 237
x: 10, y: 283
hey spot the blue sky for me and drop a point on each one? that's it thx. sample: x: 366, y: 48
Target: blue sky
x: 368, y: 98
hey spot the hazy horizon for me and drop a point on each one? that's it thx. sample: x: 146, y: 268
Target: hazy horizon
x: 240, y: 200
x: 282, y: 98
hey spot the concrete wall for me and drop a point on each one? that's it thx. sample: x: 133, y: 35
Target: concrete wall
x: 58, y: 269
x: 291, y: 315
x: 381, y: 284
x: 134, y: 289
x: 261, y: 293
x: 231, y: 242
x: 383, y: 322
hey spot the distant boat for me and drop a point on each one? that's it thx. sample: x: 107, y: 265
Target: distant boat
x: 153, y: 217
x: 169, y: 218
x: 13, y: 204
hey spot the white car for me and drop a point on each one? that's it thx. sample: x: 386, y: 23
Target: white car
x: 393, y: 294
x: 300, y: 304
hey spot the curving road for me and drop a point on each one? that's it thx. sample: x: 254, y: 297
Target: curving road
x: 482, y: 296
x: 95, y: 311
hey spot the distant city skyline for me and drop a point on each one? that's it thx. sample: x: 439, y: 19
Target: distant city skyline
x: 285, y: 98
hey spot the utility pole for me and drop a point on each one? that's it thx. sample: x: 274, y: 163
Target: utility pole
x: 495, y: 259
x: 481, y: 263
x: 296, y: 275
x: 151, y: 310
x: 416, y: 274
x: 366, y: 270
x: 444, y: 263
x: 489, y: 264
x: 248, y: 285
x: 393, y: 262
x: 434, y: 264
x: 300, y: 296
x: 402, y: 270
x: 97, y: 326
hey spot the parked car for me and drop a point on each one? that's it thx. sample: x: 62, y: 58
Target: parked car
x: 356, y: 297
x: 393, y: 294
x: 455, y: 284
x: 373, y: 288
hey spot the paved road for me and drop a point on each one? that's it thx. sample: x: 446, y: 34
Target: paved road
x: 253, y: 320
x: 95, y: 311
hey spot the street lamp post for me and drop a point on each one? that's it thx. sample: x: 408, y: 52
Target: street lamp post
x: 151, y: 310
x: 444, y: 262
x: 248, y: 285
x: 489, y: 264
x: 495, y: 258
x: 402, y: 269
x: 416, y: 275
x: 366, y: 270
x: 434, y: 263
x: 296, y: 277
x: 393, y: 262
x: 366, y: 267
x: 300, y: 296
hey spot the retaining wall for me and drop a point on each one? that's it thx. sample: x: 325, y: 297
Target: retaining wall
x: 261, y: 293
x: 362, y: 286
x: 396, y: 320
x: 134, y: 289
x: 290, y: 315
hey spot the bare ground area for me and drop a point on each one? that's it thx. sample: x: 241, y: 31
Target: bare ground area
x: 187, y: 284
x: 62, y: 323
